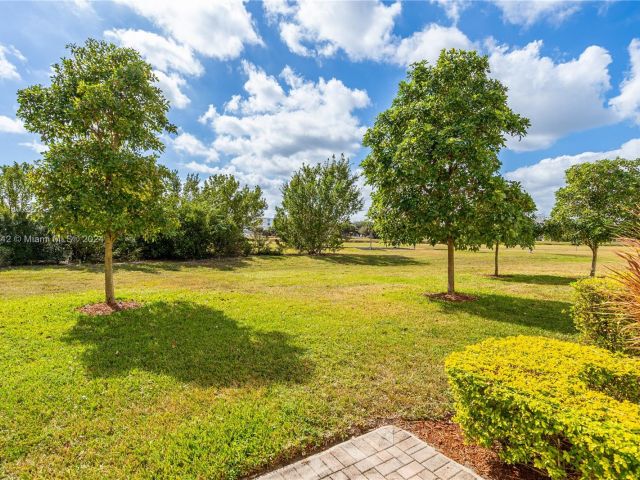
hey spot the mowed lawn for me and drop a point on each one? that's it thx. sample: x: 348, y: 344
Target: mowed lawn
x: 234, y: 365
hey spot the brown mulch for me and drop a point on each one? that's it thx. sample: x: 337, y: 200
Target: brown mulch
x: 94, y: 309
x: 446, y: 436
x: 448, y: 297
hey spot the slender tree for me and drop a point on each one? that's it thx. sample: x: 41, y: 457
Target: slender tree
x: 597, y: 204
x: 316, y: 205
x: 508, y: 218
x: 434, y: 153
x: 101, y: 118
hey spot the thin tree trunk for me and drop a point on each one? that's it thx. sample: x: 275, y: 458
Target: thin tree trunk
x: 109, y: 291
x: 594, y: 259
x: 496, y: 272
x: 450, y: 266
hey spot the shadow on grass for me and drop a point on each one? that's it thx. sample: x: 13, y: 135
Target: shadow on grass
x: 538, y: 279
x: 190, y: 342
x: 548, y: 315
x: 369, y: 260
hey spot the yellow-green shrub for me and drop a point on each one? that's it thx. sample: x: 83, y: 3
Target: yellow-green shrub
x: 595, y: 316
x: 563, y: 407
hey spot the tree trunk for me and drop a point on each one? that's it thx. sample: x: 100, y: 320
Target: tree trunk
x: 450, y: 264
x: 594, y: 259
x: 109, y: 291
x: 496, y: 272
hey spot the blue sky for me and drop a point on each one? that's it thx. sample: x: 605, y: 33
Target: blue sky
x: 257, y: 89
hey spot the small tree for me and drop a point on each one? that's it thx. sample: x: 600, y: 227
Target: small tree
x: 316, y: 205
x: 434, y: 153
x: 508, y: 218
x: 597, y: 203
x: 101, y: 119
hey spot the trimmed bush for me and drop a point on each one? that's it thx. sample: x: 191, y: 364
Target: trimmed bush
x: 594, y: 314
x: 565, y: 408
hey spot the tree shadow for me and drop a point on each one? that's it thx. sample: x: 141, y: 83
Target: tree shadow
x: 190, y: 342
x: 548, y: 315
x: 369, y: 260
x: 538, y: 279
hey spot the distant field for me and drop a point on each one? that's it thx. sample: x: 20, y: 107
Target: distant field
x: 233, y: 365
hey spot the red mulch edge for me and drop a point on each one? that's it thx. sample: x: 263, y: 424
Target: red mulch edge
x: 448, y: 297
x: 94, y: 309
x: 446, y: 436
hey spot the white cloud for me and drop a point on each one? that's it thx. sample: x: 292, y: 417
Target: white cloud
x: 7, y: 69
x: 11, y: 125
x: 35, y: 146
x: 428, y: 43
x: 171, y: 84
x: 188, y: 144
x: 527, y: 12
x: 363, y: 30
x: 163, y: 53
x: 627, y: 104
x: 276, y: 127
x: 218, y: 29
x: 558, y: 98
x: 453, y: 8
x: 542, y: 179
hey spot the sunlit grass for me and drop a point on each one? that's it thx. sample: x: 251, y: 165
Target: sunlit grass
x: 232, y: 365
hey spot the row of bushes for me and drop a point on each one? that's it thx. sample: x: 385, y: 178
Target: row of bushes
x: 567, y: 409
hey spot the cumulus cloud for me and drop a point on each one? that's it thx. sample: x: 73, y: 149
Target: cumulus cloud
x: 453, y: 8
x: 8, y: 70
x: 527, y: 12
x: 172, y: 84
x: 279, y: 123
x: 186, y: 143
x: 35, y: 146
x: 542, y: 179
x: 558, y: 97
x: 427, y: 44
x: 163, y: 53
x: 363, y: 30
x: 627, y: 104
x: 11, y: 125
x: 217, y: 29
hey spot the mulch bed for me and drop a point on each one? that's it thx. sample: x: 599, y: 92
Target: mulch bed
x: 448, y: 297
x: 446, y: 436
x: 94, y: 309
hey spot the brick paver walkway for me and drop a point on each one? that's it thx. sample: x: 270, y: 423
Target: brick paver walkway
x: 387, y: 452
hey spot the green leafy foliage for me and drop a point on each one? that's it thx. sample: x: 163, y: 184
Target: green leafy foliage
x: 434, y: 151
x: 597, y: 203
x: 507, y: 217
x: 316, y: 205
x: 560, y: 406
x: 595, y: 316
x: 101, y: 118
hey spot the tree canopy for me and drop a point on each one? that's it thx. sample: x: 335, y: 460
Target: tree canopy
x: 508, y: 217
x: 598, y: 203
x: 101, y: 119
x: 316, y: 205
x: 434, y: 152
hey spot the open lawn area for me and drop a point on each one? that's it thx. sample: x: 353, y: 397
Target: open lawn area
x: 232, y: 366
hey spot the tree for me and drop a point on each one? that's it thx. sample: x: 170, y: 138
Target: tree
x: 508, y: 218
x: 101, y: 119
x: 597, y: 204
x: 434, y: 153
x: 316, y: 205
x: 16, y: 194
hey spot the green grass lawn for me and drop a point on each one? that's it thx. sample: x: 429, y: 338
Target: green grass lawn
x: 233, y: 365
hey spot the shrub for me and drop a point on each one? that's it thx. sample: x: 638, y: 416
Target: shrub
x: 595, y: 316
x: 629, y: 278
x: 563, y: 407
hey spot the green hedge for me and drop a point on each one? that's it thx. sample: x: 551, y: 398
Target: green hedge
x: 594, y: 317
x: 563, y: 407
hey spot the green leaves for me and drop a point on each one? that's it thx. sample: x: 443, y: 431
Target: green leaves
x: 101, y: 119
x: 316, y: 205
x: 434, y: 152
x: 598, y: 202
